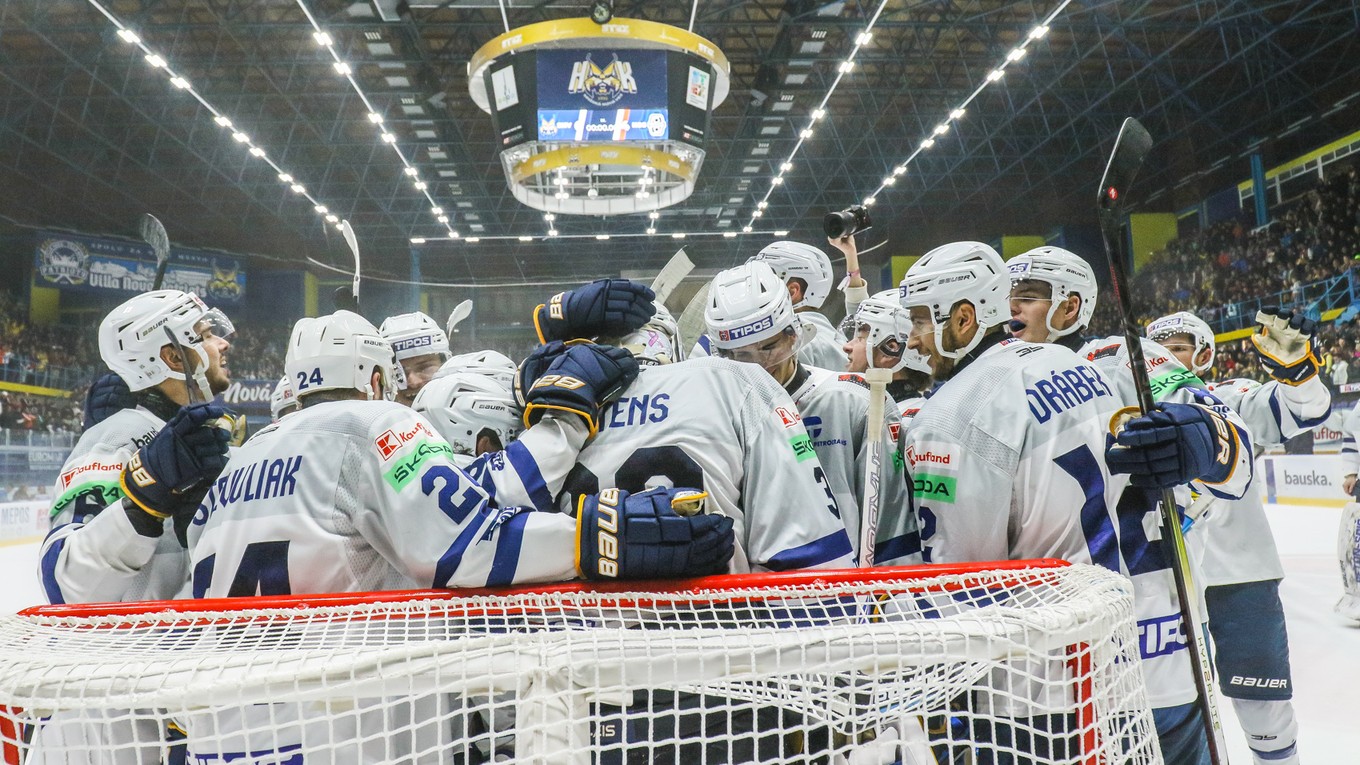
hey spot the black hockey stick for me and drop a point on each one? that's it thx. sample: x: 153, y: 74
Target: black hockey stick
x: 153, y: 233
x: 1130, y: 149
x: 348, y: 299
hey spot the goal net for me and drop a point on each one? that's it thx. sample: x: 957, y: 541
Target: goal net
x: 1018, y: 662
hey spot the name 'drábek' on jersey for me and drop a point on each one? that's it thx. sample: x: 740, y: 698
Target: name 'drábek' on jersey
x: 1064, y: 389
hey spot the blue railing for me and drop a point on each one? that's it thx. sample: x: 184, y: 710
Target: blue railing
x: 1313, y: 299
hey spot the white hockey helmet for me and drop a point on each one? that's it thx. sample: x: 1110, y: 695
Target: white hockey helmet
x: 1067, y: 274
x: 463, y: 405
x: 490, y: 364
x: 956, y: 272
x: 746, y: 305
x: 657, y: 341
x: 283, y: 401
x: 132, y: 335
x: 1185, y: 323
x: 795, y: 260
x: 414, y: 334
x: 885, y: 320
x: 339, y: 352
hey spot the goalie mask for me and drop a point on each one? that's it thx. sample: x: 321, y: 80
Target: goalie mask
x: 132, y: 335
x: 795, y: 260
x: 1066, y: 274
x: 490, y: 364
x: 339, y: 352
x: 887, y: 327
x: 750, y: 316
x: 465, y: 408
x: 953, y: 273
x: 1185, y: 323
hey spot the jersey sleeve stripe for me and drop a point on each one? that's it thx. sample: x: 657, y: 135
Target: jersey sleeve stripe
x: 816, y: 552
x: 526, y: 467
x: 508, y: 545
x: 453, y: 557
x: 1304, y: 424
x: 49, y: 569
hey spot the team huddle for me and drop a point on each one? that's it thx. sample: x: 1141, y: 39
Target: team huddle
x: 620, y: 450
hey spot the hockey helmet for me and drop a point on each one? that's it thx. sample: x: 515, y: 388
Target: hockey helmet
x: 283, y: 401
x: 490, y: 364
x: 1185, y: 323
x: 132, y: 335
x: 657, y: 341
x: 955, y: 272
x: 339, y: 352
x: 888, y: 327
x: 414, y: 334
x: 1067, y: 274
x: 463, y: 405
x: 748, y: 305
x: 795, y: 260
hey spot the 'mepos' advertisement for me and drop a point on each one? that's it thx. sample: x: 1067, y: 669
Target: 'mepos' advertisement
x: 602, y: 95
x: 87, y: 263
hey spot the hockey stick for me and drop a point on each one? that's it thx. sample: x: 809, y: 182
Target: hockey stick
x: 878, y: 379
x: 349, y: 300
x: 153, y: 233
x: 1130, y: 149
x: 670, y: 276
x: 456, y: 316
x: 691, y: 320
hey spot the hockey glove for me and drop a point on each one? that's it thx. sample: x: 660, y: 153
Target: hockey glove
x: 107, y: 395
x: 604, y: 307
x: 1173, y: 445
x: 534, y: 366
x: 581, y: 380
x: 1284, y: 343
x: 640, y: 536
x: 169, y: 476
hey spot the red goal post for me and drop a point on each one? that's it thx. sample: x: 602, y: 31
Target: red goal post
x: 1032, y: 660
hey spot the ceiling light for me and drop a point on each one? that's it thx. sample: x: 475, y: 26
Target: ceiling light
x: 417, y: 240
x: 322, y: 209
x: 453, y: 234
x: 375, y: 118
x: 388, y: 137
x: 411, y: 171
x: 929, y: 142
x: 341, y: 67
x: 941, y: 129
x: 745, y: 229
x: 332, y: 219
x: 526, y: 239
x: 653, y: 215
x: 241, y: 137
x: 651, y: 230
x: 473, y: 239
x: 223, y: 121
x: 179, y: 82
x: 561, y: 195
x: 549, y: 217
x: 298, y: 188
x: 560, y: 181
x: 678, y: 235
x: 257, y: 151
x: 818, y: 114
x: 602, y: 237
x: 286, y: 178
x: 602, y: 11
x: 156, y: 61
x: 340, y: 227
x: 864, y: 38
x: 321, y: 38
x: 1038, y: 32
x: 847, y: 66
x: 784, y: 232
x: 729, y: 235
x: 869, y: 201
x: 807, y: 133
x: 900, y: 170
x: 129, y: 36
x: 642, y: 194
x: 757, y: 213
x: 437, y: 210
x: 421, y: 185
x: 1016, y: 54
x: 552, y: 232
x: 995, y: 75
x: 957, y: 114
x: 443, y: 219
x: 775, y: 181
x: 762, y: 204
x: 592, y: 192
x: 785, y: 167
x: 890, y: 180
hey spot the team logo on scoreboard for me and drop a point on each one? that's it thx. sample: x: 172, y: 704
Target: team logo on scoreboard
x: 602, y: 87
x: 61, y: 261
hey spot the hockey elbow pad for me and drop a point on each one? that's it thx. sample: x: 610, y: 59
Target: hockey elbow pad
x: 580, y: 380
x: 642, y: 536
x: 604, y: 307
x: 1284, y: 343
x: 1174, y: 445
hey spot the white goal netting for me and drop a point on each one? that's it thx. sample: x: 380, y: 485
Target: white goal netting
x: 1032, y: 663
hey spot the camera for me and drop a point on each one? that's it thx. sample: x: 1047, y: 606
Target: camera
x: 847, y: 222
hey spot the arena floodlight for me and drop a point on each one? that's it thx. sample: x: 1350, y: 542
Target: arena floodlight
x: 602, y: 11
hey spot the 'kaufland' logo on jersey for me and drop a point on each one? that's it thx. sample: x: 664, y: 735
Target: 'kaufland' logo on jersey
x: 391, y: 441
x: 928, y: 457
x: 786, y: 416
x: 70, y: 476
x: 746, y: 330
x: 1311, y: 478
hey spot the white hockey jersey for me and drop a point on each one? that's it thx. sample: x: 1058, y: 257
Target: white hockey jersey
x: 1007, y: 462
x: 92, y: 552
x: 825, y: 349
x: 1350, y: 447
x: 351, y: 496
x: 834, y: 407
x: 729, y: 429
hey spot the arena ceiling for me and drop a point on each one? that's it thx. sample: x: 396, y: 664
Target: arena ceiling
x: 91, y: 135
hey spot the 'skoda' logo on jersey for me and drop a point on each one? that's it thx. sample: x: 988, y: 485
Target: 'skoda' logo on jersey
x: 406, y: 468
x: 939, y: 488
x: 602, y: 87
x: 1164, y: 384
x: 802, y: 447
x: 391, y: 441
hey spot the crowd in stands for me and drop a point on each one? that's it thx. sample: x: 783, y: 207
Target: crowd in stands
x: 41, y: 414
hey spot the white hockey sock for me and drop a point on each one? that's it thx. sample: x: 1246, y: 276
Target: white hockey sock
x: 1272, y: 732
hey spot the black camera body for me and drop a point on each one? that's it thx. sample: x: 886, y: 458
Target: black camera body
x: 847, y: 222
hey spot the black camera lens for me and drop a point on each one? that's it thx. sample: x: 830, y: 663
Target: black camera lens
x: 847, y: 222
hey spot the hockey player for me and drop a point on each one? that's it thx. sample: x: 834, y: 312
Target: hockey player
x: 1052, y: 298
x: 1240, y: 567
x: 990, y: 484
x: 880, y: 322
x: 421, y: 347
x: 283, y: 401
x: 1348, y: 533
x: 133, y: 480
x: 750, y: 318
x: 493, y: 365
x: 474, y: 413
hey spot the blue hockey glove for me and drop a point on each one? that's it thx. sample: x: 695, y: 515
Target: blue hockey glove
x: 534, y: 366
x: 604, y: 307
x: 1173, y: 445
x: 1284, y: 343
x: 581, y: 379
x: 640, y: 536
x: 170, y: 475
x: 107, y: 395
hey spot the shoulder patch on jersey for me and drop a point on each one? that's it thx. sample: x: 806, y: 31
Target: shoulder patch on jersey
x: 851, y: 377
x: 394, y: 440
x: 894, y: 430
x: 406, y: 468
x: 937, y: 457
x: 802, y: 447
x: 1104, y: 352
x: 786, y: 416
